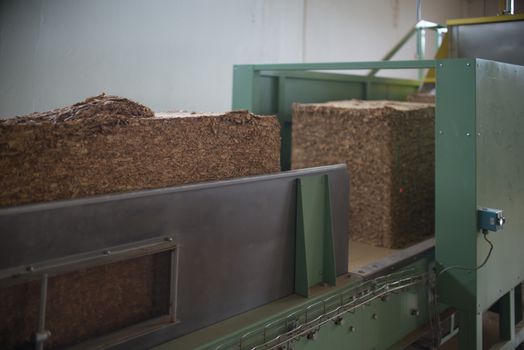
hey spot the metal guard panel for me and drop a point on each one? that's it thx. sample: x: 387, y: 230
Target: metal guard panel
x: 236, y: 238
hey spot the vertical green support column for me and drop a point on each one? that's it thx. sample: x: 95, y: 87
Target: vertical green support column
x: 246, y: 88
x: 507, y: 316
x: 510, y: 314
x: 285, y: 124
x: 314, y: 254
x: 479, y: 163
x: 518, y: 303
x: 470, y: 330
x: 518, y: 309
x: 456, y: 205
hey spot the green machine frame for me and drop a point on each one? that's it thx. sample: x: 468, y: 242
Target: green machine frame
x: 385, y: 312
x: 479, y: 163
x: 273, y: 88
x: 479, y: 135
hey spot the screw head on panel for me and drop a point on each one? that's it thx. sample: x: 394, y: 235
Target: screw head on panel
x: 415, y: 312
x: 106, y: 252
x: 468, y: 64
x: 374, y: 316
x: 351, y: 329
x: 468, y: 134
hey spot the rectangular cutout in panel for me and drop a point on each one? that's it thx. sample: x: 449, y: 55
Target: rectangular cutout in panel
x: 91, y: 302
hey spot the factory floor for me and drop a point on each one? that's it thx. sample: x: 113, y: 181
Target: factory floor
x: 361, y: 254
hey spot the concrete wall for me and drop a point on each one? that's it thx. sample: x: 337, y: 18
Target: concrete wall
x: 179, y: 54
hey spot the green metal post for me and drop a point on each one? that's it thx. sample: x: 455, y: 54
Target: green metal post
x: 507, y: 316
x: 518, y: 303
x: 470, y: 330
x: 510, y: 314
x: 346, y: 65
x: 455, y: 194
x: 455, y: 182
x: 285, y: 125
x: 421, y: 48
x: 245, y: 87
x: 518, y: 309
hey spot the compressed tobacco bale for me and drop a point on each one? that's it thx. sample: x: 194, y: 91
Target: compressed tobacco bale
x: 421, y: 97
x: 95, y: 151
x: 389, y: 151
x: 108, y: 144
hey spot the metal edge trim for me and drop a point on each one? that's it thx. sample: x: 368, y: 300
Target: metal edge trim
x: 485, y: 20
x: 166, y: 190
x: 395, y: 260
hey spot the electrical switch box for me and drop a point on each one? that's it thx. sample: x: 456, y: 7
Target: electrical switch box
x: 490, y: 219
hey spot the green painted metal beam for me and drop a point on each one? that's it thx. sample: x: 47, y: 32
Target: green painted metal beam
x: 455, y: 195
x: 455, y: 182
x: 347, y: 65
x: 328, y: 76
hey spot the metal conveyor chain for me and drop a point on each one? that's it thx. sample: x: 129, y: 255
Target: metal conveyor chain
x: 281, y: 333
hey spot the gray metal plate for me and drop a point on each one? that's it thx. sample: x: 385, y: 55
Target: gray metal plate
x: 500, y: 175
x: 235, y: 238
x: 502, y: 41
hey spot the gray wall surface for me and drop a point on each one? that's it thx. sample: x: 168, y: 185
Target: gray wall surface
x: 179, y: 54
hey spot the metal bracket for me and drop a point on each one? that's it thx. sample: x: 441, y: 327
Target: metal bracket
x: 314, y: 253
x: 54, y: 267
x: 42, y: 334
x: 57, y: 266
x: 490, y: 219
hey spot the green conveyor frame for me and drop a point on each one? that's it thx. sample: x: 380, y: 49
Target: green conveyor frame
x: 273, y: 88
x: 479, y: 136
